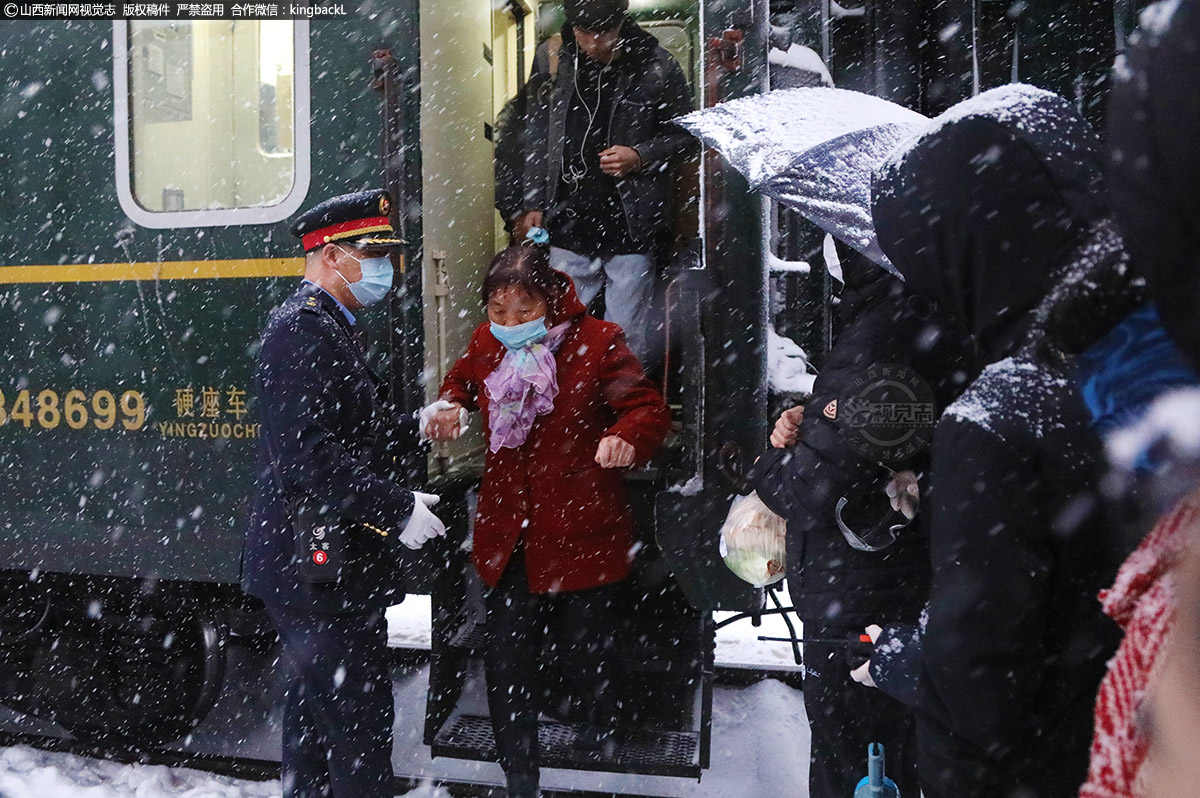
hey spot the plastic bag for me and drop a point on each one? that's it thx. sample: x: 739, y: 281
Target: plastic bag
x: 753, y: 542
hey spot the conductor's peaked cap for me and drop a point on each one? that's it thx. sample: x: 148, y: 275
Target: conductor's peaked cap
x: 360, y: 219
x: 595, y: 15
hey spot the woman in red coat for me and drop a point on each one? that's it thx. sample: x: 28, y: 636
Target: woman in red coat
x: 566, y: 407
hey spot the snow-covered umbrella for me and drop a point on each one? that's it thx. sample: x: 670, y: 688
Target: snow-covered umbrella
x: 814, y: 150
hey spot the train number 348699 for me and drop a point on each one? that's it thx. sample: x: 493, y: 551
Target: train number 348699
x: 102, y: 409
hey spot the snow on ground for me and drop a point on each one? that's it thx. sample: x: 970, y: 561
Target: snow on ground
x: 759, y: 738
x: 29, y: 773
x: 759, y: 748
x: 760, y: 743
x: 409, y: 623
x: 737, y: 644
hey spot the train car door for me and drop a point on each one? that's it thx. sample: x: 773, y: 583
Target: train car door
x: 668, y: 658
x: 716, y: 307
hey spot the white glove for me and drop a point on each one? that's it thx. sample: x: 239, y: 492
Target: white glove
x: 862, y: 674
x: 423, y: 525
x: 429, y: 411
x: 904, y: 494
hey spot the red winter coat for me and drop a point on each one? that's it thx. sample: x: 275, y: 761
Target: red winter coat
x: 572, y: 515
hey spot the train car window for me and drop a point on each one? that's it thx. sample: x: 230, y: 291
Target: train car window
x: 276, y: 82
x: 211, y: 121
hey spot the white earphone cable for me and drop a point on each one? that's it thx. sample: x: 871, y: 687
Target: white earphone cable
x: 574, y: 172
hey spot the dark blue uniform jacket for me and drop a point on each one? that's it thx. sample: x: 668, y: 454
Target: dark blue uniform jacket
x: 322, y: 413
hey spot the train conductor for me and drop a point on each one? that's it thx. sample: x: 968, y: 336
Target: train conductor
x: 326, y: 522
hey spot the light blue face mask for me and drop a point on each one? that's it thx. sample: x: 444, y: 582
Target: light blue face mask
x: 520, y: 336
x: 376, y: 280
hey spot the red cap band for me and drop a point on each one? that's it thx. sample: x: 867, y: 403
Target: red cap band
x: 343, y: 230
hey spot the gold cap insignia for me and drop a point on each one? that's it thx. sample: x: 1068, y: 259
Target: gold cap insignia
x: 385, y: 205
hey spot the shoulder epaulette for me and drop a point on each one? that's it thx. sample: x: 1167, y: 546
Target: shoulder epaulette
x: 311, y: 304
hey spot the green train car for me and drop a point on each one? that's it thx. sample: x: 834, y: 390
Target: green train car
x: 147, y: 174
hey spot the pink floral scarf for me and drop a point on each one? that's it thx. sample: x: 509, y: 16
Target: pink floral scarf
x: 522, y: 388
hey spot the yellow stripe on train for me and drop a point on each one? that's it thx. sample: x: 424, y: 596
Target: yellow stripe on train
x: 167, y: 270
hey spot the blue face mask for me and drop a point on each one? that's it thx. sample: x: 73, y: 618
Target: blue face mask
x: 520, y: 336
x: 376, y: 280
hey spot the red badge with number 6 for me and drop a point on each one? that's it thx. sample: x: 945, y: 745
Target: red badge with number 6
x: 319, y: 557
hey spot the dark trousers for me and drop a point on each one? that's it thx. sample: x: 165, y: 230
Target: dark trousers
x: 844, y: 717
x: 338, y: 713
x: 581, y: 627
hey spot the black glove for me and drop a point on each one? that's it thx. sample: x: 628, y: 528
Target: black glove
x: 858, y: 649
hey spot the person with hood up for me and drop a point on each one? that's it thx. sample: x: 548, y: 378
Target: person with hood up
x: 600, y: 157
x: 853, y: 555
x: 985, y: 213
x: 566, y: 409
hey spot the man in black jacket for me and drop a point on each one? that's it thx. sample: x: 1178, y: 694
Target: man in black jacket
x: 322, y: 453
x: 599, y: 156
x: 985, y: 215
x: 850, y: 554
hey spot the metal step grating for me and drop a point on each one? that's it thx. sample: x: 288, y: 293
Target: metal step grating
x: 657, y: 753
x: 471, y: 635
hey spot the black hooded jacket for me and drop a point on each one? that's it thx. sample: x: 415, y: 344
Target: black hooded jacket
x: 650, y: 91
x: 1153, y: 171
x: 881, y: 322
x: 984, y: 214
